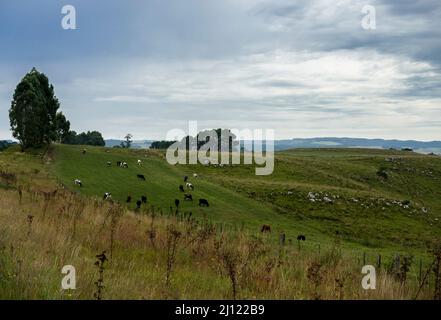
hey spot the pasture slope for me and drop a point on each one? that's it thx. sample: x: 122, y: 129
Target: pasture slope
x: 384, y: 201
x: 352, y: 206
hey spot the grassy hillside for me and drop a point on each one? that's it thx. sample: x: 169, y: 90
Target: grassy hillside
x: 352, y: 205
x: 381, y: 199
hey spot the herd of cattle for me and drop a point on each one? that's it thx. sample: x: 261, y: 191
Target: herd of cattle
x: 187, y: 191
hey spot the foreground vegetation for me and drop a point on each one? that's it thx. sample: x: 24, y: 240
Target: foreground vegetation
x: 158, y: 253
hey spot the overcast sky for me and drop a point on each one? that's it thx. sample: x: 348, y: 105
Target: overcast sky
x: 303, y: 68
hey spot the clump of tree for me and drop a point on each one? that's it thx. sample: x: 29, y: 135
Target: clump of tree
x: 34, y: 117
x: 163, y: 144
x: 33, y: 112
x: 225, y: 139
x: 127, y: 143
x: 91, y: 138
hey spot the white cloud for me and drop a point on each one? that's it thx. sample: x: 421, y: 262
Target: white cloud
x: 304, y: 68
x: 355, y: 89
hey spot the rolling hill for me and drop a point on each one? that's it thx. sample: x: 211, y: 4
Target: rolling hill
x: 378, y: 199
x: 354, y: 206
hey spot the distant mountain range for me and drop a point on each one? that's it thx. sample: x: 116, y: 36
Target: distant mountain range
x: 418, y: 146
x: 328, y: 142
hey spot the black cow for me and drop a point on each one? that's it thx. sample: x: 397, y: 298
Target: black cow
x: 138, y: 204
x: 185, y: 178
x: 144, y: 199
x: 129, y: 199
x: 265, y: 228
x: 301, y: 237
x: 181, y: 188
x: 188, y: 197
x: 203, y: 203
x: 176, y: 203
x: 118, y: 163
x: 140, y: 177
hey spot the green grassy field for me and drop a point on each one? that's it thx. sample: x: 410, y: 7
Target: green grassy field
x: 315, y: 192
x: 352, y: 206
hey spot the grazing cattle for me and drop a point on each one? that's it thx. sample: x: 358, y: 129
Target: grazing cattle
x: 143, y: 199
x: 195, y: 175
x: 109, y: 163
x: 181, y: 188
x: 176, y: 203
x: 78, y: 182
x: 107, y: 196
x: 84, y: 151
x: 118, y: 163
x: 301, y: 237
x: 129, y: 199
x: 189, y: 186
x: 265, y: 228
x: 124, y: 165
x: 138, y: 204
x: 138, y: 162
x: 203, y: 203
x: 140, y: 177
x: 185, y: 178
x: 188, y: 197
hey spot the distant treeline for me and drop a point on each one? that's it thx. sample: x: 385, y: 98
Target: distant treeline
x: 92, y: 138
x: 225, y: 140
x: 5, y: 144
x: 161, y: 144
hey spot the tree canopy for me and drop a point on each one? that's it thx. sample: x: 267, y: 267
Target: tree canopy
x: 92, y: 138
x: 33, y: 111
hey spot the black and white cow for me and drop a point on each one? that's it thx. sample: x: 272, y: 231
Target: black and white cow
x: 188, y: 197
